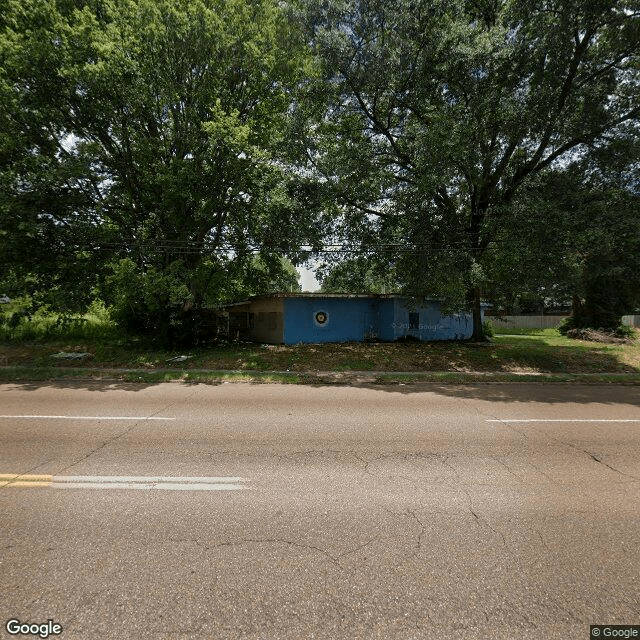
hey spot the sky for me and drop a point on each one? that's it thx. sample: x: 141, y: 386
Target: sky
x: 308, y: 280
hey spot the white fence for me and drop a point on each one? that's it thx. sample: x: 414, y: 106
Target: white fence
x: 525, y: 322
x: 544, y: 322
x: 632, y: 321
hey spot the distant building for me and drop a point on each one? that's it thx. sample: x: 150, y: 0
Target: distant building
x: 291, y: 318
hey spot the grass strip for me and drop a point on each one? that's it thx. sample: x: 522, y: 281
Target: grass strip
x: 20, y: 374
x: 34, y: 374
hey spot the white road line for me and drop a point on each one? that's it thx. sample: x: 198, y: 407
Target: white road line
x: 89, y: 417
x: 149, y: 486
x: 170, y: 486
x: 560, y: 420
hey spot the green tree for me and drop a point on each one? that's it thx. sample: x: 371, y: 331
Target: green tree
x: 151, y: 140
x: 363, y: 274
x: 575, y: 236
x: 46, y: 222
x: 443, y: 111
x: 534, y: 259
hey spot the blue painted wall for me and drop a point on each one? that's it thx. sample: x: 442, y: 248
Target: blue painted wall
x: 318, y: 319
x: 428, y: 321
x: 387, y: 318
x: 344, y: 320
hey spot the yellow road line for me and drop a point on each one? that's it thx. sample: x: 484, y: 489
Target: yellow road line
x: 26, y: 480
x: 171, y: 483
x: 9, y: 477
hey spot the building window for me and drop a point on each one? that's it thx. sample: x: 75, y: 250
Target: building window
x: 414, y: 321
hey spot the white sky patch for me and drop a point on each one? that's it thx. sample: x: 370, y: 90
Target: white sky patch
x: 308, y: 279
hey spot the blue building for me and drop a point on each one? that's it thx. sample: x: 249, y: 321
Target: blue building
x: 290, y: 318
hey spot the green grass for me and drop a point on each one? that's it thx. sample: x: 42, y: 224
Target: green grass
x: 39, y: 374
x: 206, y: 377
x: 19, y: 374
x: 355, y: 365
x: 518, y: 331
x: 533, y: 352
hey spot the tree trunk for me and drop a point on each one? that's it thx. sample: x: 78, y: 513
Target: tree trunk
x: 577, y: 306
x: 474, y: 296
x: 479, y: 208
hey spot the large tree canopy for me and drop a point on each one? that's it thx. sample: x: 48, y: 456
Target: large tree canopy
x: 145, y: 141
x: 148, y: 148
x: 578, y: 240
x: 443, y: 111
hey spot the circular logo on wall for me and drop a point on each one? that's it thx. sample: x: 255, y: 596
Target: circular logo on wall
x: 321, y: 318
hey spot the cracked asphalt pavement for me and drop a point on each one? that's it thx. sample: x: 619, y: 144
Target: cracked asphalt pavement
x: 489, y: 511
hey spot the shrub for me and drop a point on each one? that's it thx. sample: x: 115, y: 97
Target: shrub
x: 488, y: 329
x: 25, y: 320
x: 566, y: 325
x: 625, y: 331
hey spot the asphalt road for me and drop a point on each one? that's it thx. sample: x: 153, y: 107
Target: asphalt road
x: 298, y: 512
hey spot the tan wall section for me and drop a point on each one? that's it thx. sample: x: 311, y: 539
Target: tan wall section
x: 267, y: 324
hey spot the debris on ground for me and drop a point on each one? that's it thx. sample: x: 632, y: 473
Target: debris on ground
x: 72, y: 355
x: 598, y: 335
x: 178, y: 358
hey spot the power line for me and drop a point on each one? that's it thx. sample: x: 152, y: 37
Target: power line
x: 179, y: 247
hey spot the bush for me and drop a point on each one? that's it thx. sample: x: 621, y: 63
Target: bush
x: 488, y: 329
x: 566, y: 325
x: 625, y: 331
x: 25, y: 320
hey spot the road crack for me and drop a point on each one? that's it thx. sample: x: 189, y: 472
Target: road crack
x: 333, y: 559
x: 100, y: 447
x: 593, y: 457
x: 544, y: 544
x: 479, y: 520
x: 422, y: 528
x: 508, y: 468
x: 124, y: 432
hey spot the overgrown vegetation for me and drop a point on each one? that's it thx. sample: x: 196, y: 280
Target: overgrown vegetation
x: 538, y: 352
x: 24, y: 320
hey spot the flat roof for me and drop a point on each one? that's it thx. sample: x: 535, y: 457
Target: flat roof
x: 318, y: 294
x: 315, y: 294
x: 345, y: 296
